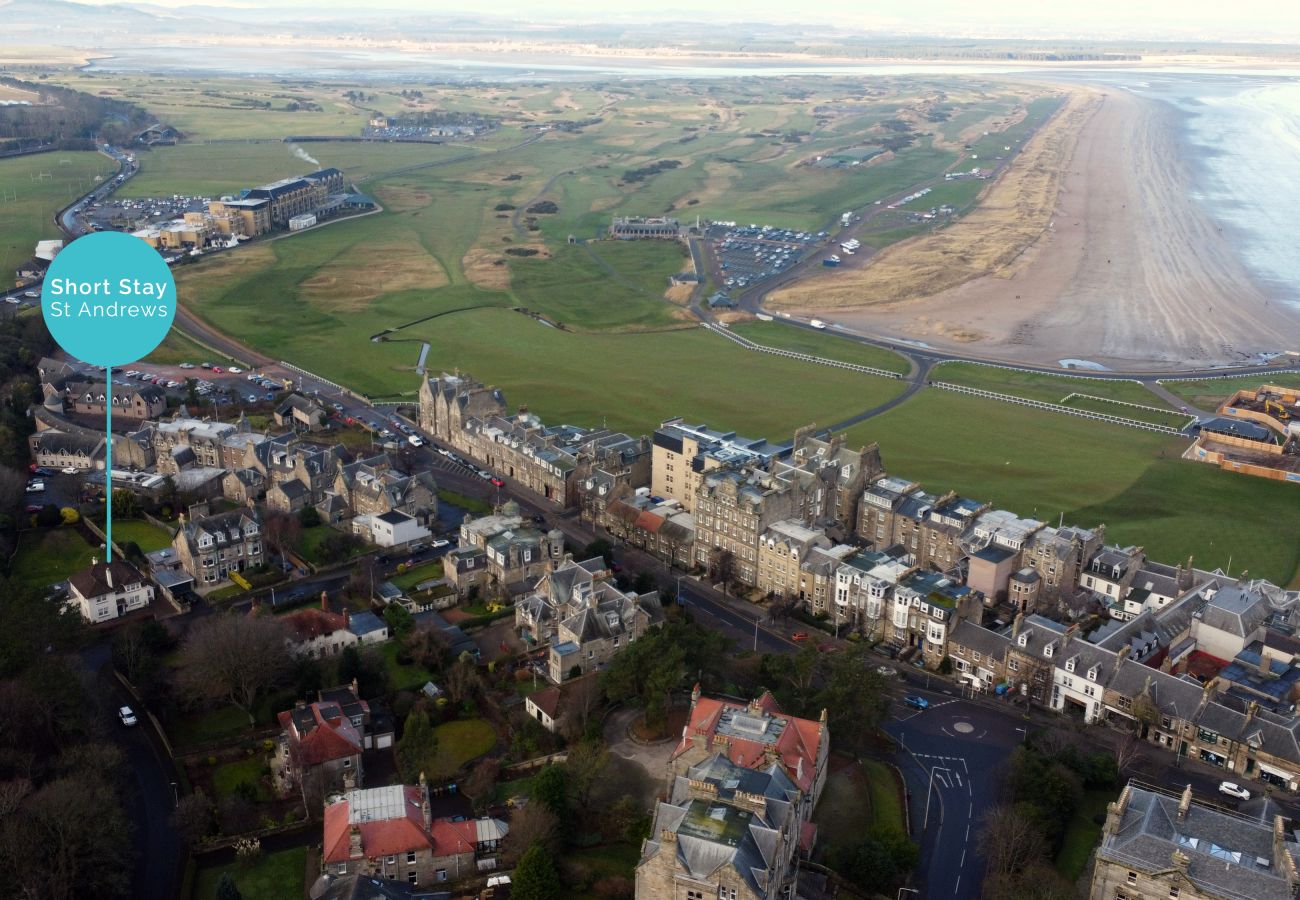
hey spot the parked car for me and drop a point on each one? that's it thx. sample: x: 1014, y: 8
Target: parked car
x: 484, y: 475
x: 886, y: 671
x: 498, y: 482
x: 441, y: 542
x: 70, y: 470
x: 1232, y: 789
x: 217, y: 370
x: 916, y: 702
x: 33, y: 508
x: 36, y: 487
x: 127, y: 715
x: 234, y: 370
x: 799, y: 636
x: 187, y: 365
x: 415, y: 440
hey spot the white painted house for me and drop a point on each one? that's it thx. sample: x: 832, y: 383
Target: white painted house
x: 108, y: 590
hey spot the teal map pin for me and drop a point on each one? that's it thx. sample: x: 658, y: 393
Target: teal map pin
x: 108, y: 299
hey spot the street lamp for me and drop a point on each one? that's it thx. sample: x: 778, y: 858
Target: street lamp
x: 1024, y: 734
x: 176, y: 797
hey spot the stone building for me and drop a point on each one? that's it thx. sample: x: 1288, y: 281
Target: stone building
x: 129, y: 403
x: 584, y: 618
x: 682, y: 454
x: 725, y: 831
x: 449, y: 401
x: 320, y: 749
x: 210, y: 547
x: 390, y: 832
x: 1157, y: 845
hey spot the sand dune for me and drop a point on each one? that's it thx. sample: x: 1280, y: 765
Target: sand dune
x: 1132, y: 271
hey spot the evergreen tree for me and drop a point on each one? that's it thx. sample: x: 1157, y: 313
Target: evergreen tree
x: 226, y: 888
x: 535, y: 878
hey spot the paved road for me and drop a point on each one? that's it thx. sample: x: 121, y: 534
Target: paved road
x: 950, y: 758
x: 150, y: 796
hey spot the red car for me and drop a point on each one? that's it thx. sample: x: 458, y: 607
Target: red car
x: 217, y: 370
x: 498, y: 482
x: 799, y: 636
x: 33, y: 508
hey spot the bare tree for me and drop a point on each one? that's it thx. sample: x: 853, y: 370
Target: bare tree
x: 234, y: 658
x: 586, y: 764
x: 428, y: 647
x: 723, y: 566
x: 534, y: 824
x: 581, y: 699
x: 1010, y: 841
x: 482, y: 781
x: 463, y: 680
x: 1128, y: 754
x: 283, y: 533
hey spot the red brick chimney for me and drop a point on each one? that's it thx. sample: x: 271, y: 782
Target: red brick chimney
x: 324, y: 602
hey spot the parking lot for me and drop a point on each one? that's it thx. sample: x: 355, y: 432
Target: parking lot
x: 747, y: 254
x: 113, y: 215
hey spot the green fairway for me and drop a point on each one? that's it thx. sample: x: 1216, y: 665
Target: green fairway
x: 1046, y: 465
x: 1141, y: 413
x: 828, y: 346
x: 1035, y: 386
x: 32, y: 189
x: 48, y: 556
x: 1208, y: 393
x: 211, y: 170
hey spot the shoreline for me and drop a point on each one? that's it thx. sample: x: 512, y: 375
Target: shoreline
x: 1131, y: 272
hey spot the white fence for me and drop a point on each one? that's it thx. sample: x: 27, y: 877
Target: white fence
x: 1056, y: 407
x: 804, y: 357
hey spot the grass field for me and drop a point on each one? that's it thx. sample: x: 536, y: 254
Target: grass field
x: 460, y: 742
x: 1169, y: 419
x: 1035, y: 386
x: 609, y: 861
x: 146, y: 536
x: 1209, y: 393
x: 1046, y: 465
x: 469, y: 504
x: 1082, y: 835
x: 275, y: 876
x: 48, y: 556
x: 211, y: 170
x: 28, y: 201
x: 859, y: 797
x: 800, y: 340
x: 177, y: 348
x: 209, y: 727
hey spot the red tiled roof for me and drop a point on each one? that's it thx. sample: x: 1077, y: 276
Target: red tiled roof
x: 798, y: 747
x: 306, y: 624
x: 807, y: 836
x: 454, y: 837
x: 334, y: 737
x: 648, y: 521
x: 380, y: 837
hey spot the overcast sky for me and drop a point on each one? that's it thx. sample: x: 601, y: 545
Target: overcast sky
x: 1271, y: 20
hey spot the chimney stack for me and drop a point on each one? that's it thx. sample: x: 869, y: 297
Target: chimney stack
x: 425, y: 810
x: 108, y: 574
x: 1185, y: 803
x: 324, y: 602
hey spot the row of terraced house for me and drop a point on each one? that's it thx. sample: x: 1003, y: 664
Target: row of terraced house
x: 1194, y: 660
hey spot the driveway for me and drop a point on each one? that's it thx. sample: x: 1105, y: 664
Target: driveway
x: 653, y: 758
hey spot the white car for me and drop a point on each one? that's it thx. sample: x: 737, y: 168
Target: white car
x: 416, y: 440
x: 127, y: 715
x: 234, y: 370
x: 1233, y: 789
x: 886, y: 671
x: 70, y: 470
x: 443, y: 451
x: 441, y: 543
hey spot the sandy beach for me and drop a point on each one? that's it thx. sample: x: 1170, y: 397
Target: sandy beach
x: 1131, y: 272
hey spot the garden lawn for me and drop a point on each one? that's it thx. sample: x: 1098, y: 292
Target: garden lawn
x: 410, y: 578
x: 48, y: 556
x: 469, y: 504
x: 147, y: 536
x: 1082, y: 834
x: 209, y: 727
x: 1036, y: 386
x: 608, y: 861
x: 313, y: 538
x: 275, y: 876
x: 402, y: 676
x: 1050, y: 465
x: 828, y: 346
x: 1207, y: 394
x: 459, y: 742
x: 228, y: 776
x: 886, y: 805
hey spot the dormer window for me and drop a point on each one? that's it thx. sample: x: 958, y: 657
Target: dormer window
x: 1049, y: 649
x: 1093, y: 673
x: 1023, y: 639
x: 1069, y: 663
x: 205, y: 541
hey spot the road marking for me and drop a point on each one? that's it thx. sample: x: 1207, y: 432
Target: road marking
x: 957, y: 775
x: 956, y: 887
x: 963, y: 727
x: 963, y: 858
x: 938, y: 774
